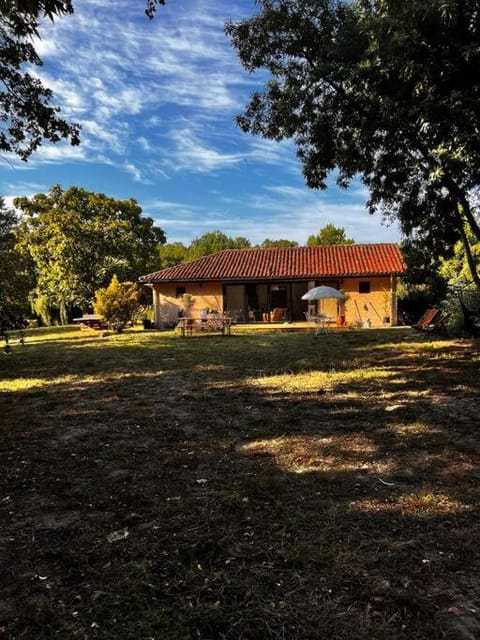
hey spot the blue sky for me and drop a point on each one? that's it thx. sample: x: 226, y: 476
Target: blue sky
x: 157, y: 101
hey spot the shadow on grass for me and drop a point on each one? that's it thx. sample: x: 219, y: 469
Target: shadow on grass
x: 252, y: 487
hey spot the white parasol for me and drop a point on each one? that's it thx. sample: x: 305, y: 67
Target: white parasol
x: 322, y: 293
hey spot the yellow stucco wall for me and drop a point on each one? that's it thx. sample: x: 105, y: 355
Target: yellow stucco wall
x: 206, y: 295
x: 366, y: 309
x: 370, y: 308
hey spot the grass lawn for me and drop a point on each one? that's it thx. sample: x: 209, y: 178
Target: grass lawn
x: 270, y: 485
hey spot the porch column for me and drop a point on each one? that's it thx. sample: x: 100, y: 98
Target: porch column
x: 156, y: 308
x: 394, y: 307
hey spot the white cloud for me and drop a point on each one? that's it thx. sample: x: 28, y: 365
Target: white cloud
x: 97, y: 137
x: 195, y: 156
x: 279, y: 212
x: 270, y: 152
x: 61, y: 152
x: 295, y: 213
x: 45, y: 47
x: 27, y: 189
x: 287, y: 191
x: 134, y: 171
x: 66, y: 92
x: 144, y: 143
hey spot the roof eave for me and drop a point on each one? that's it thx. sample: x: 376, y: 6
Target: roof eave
x: 299, y: 278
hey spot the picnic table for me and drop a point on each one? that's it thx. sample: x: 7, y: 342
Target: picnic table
x: 91, y: 321
x: 213, y: 322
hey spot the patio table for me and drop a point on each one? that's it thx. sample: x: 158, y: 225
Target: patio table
x: 321, y: 320
x: 211, y: 323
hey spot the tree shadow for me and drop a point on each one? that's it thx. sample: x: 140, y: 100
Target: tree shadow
x: 195, y: 501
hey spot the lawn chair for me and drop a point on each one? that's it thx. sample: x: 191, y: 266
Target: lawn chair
x: 433, y: 321
x: 439, y: 325
x: 426, y: 320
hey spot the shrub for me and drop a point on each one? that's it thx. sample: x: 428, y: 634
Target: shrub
x: 117, y: 303
x: 452, y: 308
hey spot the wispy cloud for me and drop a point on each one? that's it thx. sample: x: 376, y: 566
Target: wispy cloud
x: 270, y: 152
x: 311, y: 210
x: 157, y: 101
x: 277, y: 212
x: 134, y: 171
x: 144, y: 143
x: 118, y: 76
x: 191, y: 154
x: 52, y: 154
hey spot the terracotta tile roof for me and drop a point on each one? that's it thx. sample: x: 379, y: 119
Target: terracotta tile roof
x: 297, y: 263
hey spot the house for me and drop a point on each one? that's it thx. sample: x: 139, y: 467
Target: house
x: 248, y: 283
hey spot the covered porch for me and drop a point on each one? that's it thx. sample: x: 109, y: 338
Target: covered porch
x: 253, y: 302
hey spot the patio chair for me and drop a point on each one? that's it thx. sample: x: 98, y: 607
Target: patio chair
x: 434, y: 321
x: 274, y: 316
x: 426, y: 319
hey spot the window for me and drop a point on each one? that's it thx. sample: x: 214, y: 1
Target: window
x: 180, y: 291
x: 364, y: 287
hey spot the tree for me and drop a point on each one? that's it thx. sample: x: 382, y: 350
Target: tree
x: 77, y: 240
x: 172, y: 253
x: 455, y: 269
x: 151, y: 6
x: 422, y: 286
x: 214, y: 241
x: 117, y: 303
x: 15, y: 275
x: 384, y: 89
x: 25, y: 109
x: 267, y: 243
x: 329, y: 235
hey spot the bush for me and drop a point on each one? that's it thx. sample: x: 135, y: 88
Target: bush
x: 117, y: 303
x: 144, y: 312
x: 452, y: 308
